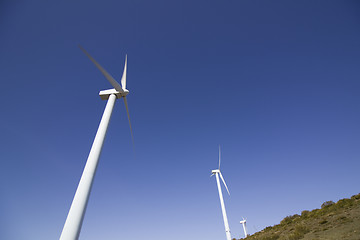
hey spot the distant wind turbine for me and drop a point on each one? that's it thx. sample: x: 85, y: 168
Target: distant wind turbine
x: 243, y: 222
x: 73, y: 223
x: 217, y: 173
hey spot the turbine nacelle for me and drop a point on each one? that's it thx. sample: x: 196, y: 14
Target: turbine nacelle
x: 104, y: 94
x: 215, y: 171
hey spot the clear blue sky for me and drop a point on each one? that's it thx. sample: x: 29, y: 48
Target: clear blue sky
x: 276, y: 83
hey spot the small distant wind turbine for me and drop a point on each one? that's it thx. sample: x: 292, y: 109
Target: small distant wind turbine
x: 217, y: 173
x: 73, y: 223
x: 243, y: 222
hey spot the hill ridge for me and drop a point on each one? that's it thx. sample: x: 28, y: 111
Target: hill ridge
x: 333, y: 221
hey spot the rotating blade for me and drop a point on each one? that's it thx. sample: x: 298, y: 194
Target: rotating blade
x: 127, y: 111
x: 112, y: 81
x: 224, y: 182
x: 123, y: 78
x: 219, y: 156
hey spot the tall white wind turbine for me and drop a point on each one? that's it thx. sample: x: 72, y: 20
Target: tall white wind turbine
x: 217, y: 173
x: 243, y: 222
x: 73, y: 223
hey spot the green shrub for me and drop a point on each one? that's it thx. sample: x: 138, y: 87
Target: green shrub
x: 301, y: 229
x: 343, y: 219
x: 268, y: 228
x: 327, y: 204
x: 344, y: 203
x: 356, y: 197
x: 295, y: 236
x: 289, y: 219
x: 315, y: 213
x: 271, y: 237
x: 299, y: 232
x: 323, y: 221
x: 305, y: 213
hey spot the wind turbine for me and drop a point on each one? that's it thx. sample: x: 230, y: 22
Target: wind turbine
x: 243, y: 222
x: 73, y: 223
x: 217, y: 173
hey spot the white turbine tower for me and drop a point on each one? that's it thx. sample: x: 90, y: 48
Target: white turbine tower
x: 217, y: 173
x: 243, y: 222
x: 72, y: 227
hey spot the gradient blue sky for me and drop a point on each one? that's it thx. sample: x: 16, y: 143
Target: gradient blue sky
x: 276, y: 83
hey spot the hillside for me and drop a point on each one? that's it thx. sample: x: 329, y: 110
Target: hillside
x: 339, y: 220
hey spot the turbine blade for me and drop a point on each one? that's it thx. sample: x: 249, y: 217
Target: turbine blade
x: 212, y: 175
x: 224, y: 183
x: 127, y: 111
x: 123, y: 78
x: 112, y: 81
x: 219, y: 156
